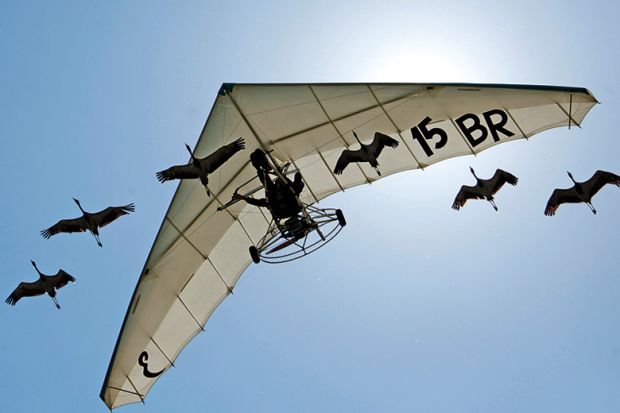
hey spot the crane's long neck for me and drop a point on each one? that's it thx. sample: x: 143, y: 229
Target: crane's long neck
x: 34, y: 264
x: 579, y: 188
x: 474, y: 174
x: 358, y: 140
x: 79, y: 206
x: 190, y: 153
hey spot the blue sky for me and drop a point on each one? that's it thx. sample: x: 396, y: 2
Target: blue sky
x: 415, y: 307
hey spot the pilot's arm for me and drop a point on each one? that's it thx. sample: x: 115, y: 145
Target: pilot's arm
x: 262, y: 202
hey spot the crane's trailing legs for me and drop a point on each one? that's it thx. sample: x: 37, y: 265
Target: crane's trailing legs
x: 94, y: 232
x: 580, y: 190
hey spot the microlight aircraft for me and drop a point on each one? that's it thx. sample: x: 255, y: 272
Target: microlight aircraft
x: 200, y: 253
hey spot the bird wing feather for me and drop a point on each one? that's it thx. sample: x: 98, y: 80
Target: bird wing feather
x: 466, y: 192
x: 500, y: 178
x: 25, y: 289
x: 599, y: 180
x: 61, y: 279
x: 380, y: 141
x: 65, y: 225
x: 561, y: 196
x: 110, y: 214
x: 178, y: 172
x: 223, y: 154
x: 347, y: 157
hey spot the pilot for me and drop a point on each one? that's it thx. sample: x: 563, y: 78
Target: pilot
x: 281, y: 196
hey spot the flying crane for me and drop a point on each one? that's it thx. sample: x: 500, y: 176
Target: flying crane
x: 484, y: 188
x: 366, y: 153
x: 88, y: 221
x: 45, y: 284
x: 581, y: 191
x: 200, y: 168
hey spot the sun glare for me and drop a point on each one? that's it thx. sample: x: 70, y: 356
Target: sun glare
x: 422, y: 66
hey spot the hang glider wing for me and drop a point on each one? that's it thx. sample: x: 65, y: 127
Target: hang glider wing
x: 200, y: 253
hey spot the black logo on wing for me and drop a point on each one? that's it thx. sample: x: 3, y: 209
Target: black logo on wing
x: 142, y: 359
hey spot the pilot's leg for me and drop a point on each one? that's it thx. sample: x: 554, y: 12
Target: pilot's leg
x: 298, y: 184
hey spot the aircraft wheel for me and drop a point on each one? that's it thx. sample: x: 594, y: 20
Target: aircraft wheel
x: 254, y: 254
x: 340, y: 217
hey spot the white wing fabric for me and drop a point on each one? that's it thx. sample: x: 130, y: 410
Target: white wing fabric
x: 199, y: 253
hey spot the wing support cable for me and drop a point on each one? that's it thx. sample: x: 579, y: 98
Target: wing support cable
x: 231, y: 215
x: 336, y: 129
x: 570, y: 118
x: 204, y: 257
x: 357, y: 112
x: 570, y: 108
x: 306, y: 182
x: 264, y: 148
x: 202, y: 210
x: 123, y: 390
x: 182, y: 235
x: 463, y: 137
x: 162, y: 351
x: 394, y: 124
x: 263, y: 214
x: 330, y: 170
x: 136, y: 390
x: 258, y: 139
x: 191, y: 314
x: 518, y: 127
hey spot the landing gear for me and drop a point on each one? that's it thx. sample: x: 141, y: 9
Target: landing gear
x: 296, y: 237
x: 341, y: 220
x: 254, y: 254
x: 302, y: 230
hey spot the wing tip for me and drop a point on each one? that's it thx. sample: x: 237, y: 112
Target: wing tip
x: 513, y: 180
x: 161, y: 176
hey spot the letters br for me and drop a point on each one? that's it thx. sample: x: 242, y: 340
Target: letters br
x: 470, y: 125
